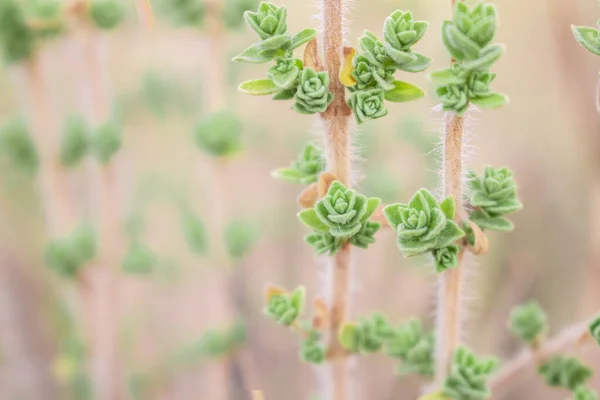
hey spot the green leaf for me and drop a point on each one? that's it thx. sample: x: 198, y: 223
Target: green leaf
x: 372, y: 204
x: 487, y: 57
x: 450, y: 234
x: 495, y: 224
x: 494, y: 100
x: 287, y: 174
x: 284, y: 95
x: 309, y: 218
x: 403, y: 92
x: 448, y: 206
x: 347, y: 337
x: 297, y: 298
x: 589, y: 38
x: 259, y: 87
x: 239, y: 237
x: 446, y: 77
x: 254, y: 54
x: 302, y: 37
x: 392, y: 214
x: 421, y: 63
x: 275, y: 42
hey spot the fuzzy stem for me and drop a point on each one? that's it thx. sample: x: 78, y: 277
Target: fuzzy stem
x: 451, y: 280
x: 514, y: 368
x: 338, y: 143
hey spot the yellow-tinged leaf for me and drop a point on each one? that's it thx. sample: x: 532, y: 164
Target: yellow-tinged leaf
x: 325, y: 180
x: 321, y: 315
x: 273, y: 291
x: 346, y: 72
x: 308, y: 197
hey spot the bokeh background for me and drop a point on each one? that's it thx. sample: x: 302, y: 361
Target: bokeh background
x: 549, y: 135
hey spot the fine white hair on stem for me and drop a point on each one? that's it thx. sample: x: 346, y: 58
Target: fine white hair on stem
x: 469, y: 150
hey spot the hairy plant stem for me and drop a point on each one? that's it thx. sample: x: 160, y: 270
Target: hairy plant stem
x: 336, y: 120
x: 450, y: 281
x: 530, y: 357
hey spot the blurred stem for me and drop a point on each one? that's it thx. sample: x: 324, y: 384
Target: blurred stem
x: 144, y: 11
x: 99, y: 285
x: 336, y: 120
x: 450, y: 281
x: 218, y: 377
x: 529, y: 357
x: 59, y: 209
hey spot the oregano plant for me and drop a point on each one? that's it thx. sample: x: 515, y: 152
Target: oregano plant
x: 339, y: 216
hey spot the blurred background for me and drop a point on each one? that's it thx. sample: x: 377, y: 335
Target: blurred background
x: 188, y: 286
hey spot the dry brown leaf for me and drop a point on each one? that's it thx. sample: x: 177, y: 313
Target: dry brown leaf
x: 308, y: 197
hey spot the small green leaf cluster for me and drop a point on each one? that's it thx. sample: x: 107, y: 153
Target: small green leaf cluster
x: 214, y: 343
x: 306, y: 168
x: 288, y: 78
x: 342, y: 215
x: 566, y: 372
x: 239, y: 237
x: 107, y: 14
x: 588, y: 37
x: 70, y: 370
x: 106, y: 141
x: 468, y: 39
x: 368, y: 335
x: 184, y: 12
x: 468, y: 376
x: 17, y: 145
x: 49, y: 14
x: 414, y: 347
x: 68, y: 255
x: 425, y: 225
x: 584, y: 393
x: 233, y: 12
x: 139, y: 259
x: 408, y: 342
x: 595, y: 329
x: 374, y: 69
x: 219, y: 134
x: 528, y: 322
x: 285, y: 308
x: 493, y: 195
x: 74, y: 142
x: 17, y: 39
x: 312, y: 349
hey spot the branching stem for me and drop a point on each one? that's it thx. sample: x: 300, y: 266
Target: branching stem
x: 514, y: 368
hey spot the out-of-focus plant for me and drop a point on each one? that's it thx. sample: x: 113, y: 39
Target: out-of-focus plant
x: 306, y: 168
x: 68, y: 255
x: 529, y: 323
x: 17, y: 145
x: 74, y: 142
